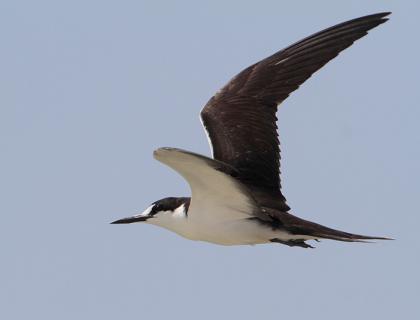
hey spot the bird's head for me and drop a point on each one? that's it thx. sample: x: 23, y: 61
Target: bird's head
x: 161, y: 208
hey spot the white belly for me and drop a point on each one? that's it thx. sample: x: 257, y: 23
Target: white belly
x: 226, y: 231
x: 221, y: 206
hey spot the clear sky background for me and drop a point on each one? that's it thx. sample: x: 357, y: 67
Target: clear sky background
x: 90, y: 88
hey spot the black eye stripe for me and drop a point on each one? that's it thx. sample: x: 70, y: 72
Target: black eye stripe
x: 169, y: 204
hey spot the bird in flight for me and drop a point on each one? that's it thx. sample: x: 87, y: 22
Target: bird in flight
x: 236, y: 196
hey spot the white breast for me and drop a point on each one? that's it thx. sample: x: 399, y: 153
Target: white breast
x: 220, y: 207
x: 224, y: 232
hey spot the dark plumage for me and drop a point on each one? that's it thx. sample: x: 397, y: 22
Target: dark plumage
x: 236, y: 197
x: 241, y: 117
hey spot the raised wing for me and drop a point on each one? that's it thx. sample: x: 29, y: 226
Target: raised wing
x: 241, y: 118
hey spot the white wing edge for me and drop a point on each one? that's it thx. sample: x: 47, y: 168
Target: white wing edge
x: 208, y: 136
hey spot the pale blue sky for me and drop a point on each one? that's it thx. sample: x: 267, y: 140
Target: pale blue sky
x: 90, y: 88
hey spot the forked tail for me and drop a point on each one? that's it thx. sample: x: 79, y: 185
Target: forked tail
x: 321, y: 232
x: 303, y: 227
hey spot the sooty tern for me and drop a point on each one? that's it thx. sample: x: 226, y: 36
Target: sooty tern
x: 236, y: 197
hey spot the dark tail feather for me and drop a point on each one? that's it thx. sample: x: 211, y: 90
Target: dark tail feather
x: 300, y: 226
x: 322, y: 232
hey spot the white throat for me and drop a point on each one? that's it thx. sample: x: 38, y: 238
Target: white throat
x: 173, y: 220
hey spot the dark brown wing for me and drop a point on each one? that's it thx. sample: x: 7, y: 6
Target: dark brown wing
x: 241, y: 118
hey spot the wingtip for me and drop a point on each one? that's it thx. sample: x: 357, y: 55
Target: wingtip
x: 385, y: 13
x: 375, y: 19
x: 382, y: 17
x: 379, y: 15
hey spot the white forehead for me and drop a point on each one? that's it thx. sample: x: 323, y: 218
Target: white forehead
x: 147, y: 211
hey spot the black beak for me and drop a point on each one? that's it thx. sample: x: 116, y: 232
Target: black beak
x: 131, y: 219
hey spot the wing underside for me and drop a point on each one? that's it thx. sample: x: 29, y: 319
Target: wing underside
x: 212, y: 185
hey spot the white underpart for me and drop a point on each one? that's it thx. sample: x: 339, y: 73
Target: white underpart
x: 234, y: 232
x: 172, y: 220
x: 208, y: 136
x: 220, y: 207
